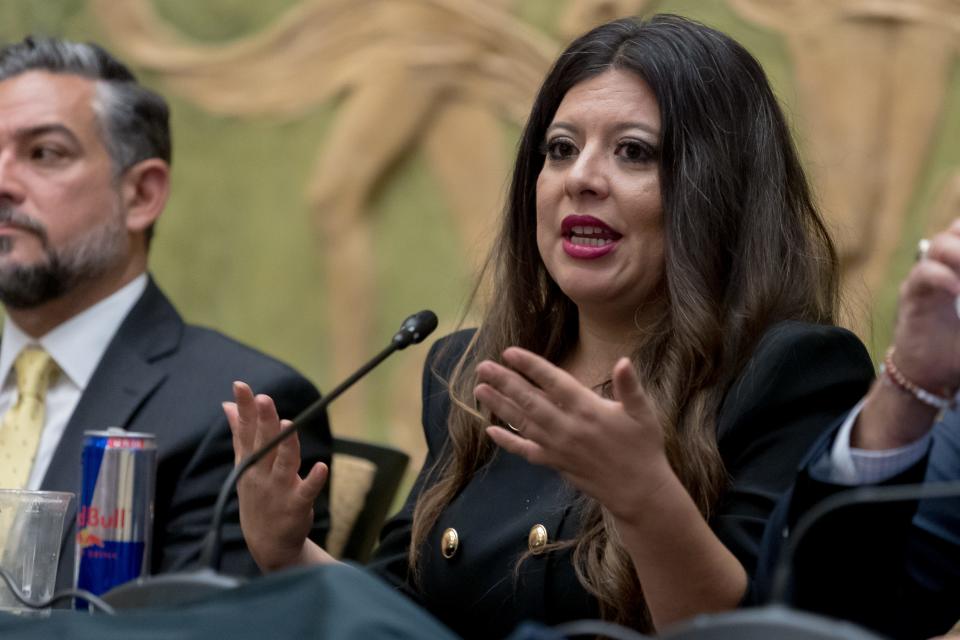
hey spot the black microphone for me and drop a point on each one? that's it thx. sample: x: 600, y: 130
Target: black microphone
x: 415, y: 328
x: 180, y: 587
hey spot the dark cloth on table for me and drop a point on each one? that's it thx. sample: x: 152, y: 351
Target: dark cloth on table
x: 332, y: 602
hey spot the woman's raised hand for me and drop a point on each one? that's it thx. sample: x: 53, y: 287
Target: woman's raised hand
x: 276, y: 505
x: 611, y: 450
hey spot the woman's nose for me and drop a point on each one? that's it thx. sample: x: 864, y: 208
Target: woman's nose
x: 587, y: 177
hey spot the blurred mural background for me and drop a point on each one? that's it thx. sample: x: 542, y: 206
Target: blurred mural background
x: 340, y: 164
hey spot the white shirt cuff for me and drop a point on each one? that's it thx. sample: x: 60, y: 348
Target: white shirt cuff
x: 849, y: 466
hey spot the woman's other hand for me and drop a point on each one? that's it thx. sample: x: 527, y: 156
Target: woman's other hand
x: 611, y: 450
x: 276, y: 505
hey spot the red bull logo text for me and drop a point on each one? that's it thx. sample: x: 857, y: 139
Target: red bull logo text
x: 91, y: 517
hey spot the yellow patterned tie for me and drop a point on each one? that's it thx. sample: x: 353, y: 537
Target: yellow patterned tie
x: 23, y: 422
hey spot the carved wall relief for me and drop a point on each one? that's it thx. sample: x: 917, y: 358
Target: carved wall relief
x: 871, y: 77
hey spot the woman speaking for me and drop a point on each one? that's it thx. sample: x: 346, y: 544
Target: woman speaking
x: 656, y: 358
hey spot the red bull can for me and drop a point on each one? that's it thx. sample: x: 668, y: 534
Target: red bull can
x: 115, y: 513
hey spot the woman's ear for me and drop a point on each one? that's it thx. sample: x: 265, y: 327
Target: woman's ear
x: 145, y: 188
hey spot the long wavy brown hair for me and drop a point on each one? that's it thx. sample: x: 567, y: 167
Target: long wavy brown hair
x: 744, y: 248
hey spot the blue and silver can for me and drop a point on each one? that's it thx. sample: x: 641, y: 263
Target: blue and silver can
x: 115, y: 513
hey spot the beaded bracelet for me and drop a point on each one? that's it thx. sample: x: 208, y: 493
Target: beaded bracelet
x: 898, y: 379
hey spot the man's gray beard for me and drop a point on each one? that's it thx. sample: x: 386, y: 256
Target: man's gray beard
x: 28, y: 286
x: 86, y: 258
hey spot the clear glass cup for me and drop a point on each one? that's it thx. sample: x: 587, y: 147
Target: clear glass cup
x: 31, y: 530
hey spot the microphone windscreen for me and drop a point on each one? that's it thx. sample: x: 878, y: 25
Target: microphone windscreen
x: 415, y: 328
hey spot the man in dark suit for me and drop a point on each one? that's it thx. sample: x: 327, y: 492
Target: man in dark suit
x: 84, y: 175
x: 894, y: 567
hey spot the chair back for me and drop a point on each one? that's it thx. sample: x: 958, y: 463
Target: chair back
x: 364, y: 479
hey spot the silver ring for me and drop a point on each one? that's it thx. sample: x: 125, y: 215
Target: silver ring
x: 923, y: 247
x: 511, y: 427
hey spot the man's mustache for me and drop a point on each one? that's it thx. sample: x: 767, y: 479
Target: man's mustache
x: 11, y: 216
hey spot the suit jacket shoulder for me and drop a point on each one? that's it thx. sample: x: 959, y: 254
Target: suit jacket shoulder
x: 792, y: 360
x: 800, y: 379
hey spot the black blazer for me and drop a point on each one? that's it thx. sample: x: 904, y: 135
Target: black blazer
x: 895, y: 567
x: 799, y: 380
x: 161, y: 376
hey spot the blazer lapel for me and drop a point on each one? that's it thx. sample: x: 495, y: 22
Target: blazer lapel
x: 128, y: 374
x: 110, y: 400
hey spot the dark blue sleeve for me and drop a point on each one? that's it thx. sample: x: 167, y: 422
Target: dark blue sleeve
x: 894, y: 568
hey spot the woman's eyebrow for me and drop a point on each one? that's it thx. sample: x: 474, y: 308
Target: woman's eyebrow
x: 617, y: 128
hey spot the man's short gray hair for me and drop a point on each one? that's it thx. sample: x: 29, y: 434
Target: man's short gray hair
x: 135, y: 121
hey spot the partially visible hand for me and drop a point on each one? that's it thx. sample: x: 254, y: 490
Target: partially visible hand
x: 926, y: 350
x: 276, y: 505
x: 927, y: 336
x: 611, y: 450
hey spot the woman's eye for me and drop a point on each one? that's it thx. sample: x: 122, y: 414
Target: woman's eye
x: 560, y: 149
x: 635, y: 151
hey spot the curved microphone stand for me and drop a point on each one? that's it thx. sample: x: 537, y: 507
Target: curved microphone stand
x: 186, y: 586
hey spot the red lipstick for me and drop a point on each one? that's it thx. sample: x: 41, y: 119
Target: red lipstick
x: 587, y: 238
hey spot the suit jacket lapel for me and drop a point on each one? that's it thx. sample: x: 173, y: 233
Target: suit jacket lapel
x: 128, y: 374
x: 118, y: 388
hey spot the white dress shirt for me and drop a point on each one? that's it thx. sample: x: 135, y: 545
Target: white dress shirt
x: 847, y: 465
x: 76, y: 346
